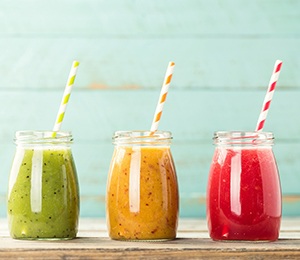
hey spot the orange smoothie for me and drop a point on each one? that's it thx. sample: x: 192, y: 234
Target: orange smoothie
x: 142, y: 194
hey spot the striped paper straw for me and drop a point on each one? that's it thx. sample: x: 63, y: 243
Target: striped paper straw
x: 162, y: 97
x: 269, y: 96
x: 65, y: 99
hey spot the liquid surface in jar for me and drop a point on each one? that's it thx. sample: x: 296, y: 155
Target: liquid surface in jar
x: 142, y: 194
x: 244, y: 195
x: 43, y: 199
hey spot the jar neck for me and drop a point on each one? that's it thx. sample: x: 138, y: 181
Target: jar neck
x: 142, y: 138
x: 243, y: 138
x: 43, y: 138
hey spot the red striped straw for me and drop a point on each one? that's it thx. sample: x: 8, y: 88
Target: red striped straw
x: 268, y: 98
x: 162, y: 97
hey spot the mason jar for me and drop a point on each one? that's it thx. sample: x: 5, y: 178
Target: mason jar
x: 142, y: 192
x: 43, y: 192
x: 243, y: 192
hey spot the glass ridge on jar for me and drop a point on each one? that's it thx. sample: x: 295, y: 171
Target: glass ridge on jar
x: 43, y: 192
x: 243, y: 192
x: 142, y: 200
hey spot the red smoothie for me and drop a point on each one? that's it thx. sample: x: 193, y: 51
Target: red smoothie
x: 244, y: 194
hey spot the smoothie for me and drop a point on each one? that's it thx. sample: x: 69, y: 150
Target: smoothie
x: 244, y: 195
x: 43, y: 199
x: 142, y: 194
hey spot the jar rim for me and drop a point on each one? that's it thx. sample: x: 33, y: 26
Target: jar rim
x: 42, y: 136
x: 142, y: 137
x: 243, y: 137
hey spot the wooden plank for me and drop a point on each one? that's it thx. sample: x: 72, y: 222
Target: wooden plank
x: 191, y: 115
x: 78, y: 253
x: 130, y: 63
x: 95, y: 18
x: 192, y: 242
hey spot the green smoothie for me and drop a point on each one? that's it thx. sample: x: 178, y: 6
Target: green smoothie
x: 43, y: 196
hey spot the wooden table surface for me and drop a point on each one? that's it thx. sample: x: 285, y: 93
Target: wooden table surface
x: 193, y: 242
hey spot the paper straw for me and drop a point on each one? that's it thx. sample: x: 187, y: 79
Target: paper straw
x: 162, y: 97
x: 65, y: 99
x: 268, y: 98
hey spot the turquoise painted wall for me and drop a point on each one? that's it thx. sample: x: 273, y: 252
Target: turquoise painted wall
x: 224, y: 52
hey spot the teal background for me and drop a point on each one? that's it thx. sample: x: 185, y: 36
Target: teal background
x: 224, y: 52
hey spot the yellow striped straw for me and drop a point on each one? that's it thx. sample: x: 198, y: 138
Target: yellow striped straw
x: 65, y: 99
x: 162, y: 97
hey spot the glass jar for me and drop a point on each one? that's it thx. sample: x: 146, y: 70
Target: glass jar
x: 243, y: 193
x: 142, y: 191
x: 43, y: 193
